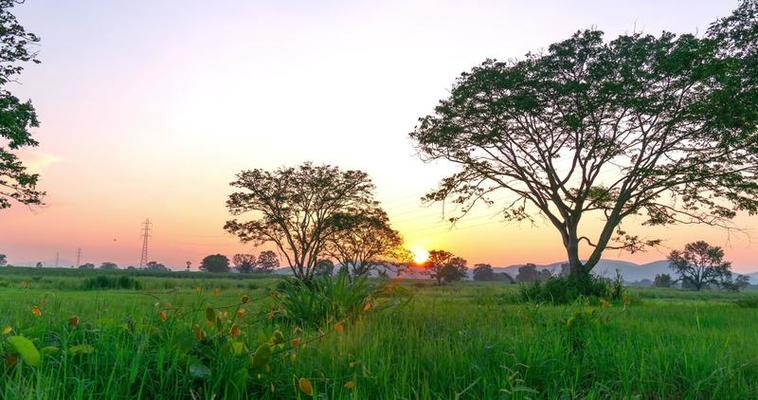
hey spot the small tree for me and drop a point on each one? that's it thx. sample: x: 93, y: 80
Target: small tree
x: 435, y: 262
x: 739, y: 283
x: 83, y: 266
x: 454, y: 270
x: 700, y: 264
x: 107, y: 265
x: 267, y: 261
x: 663, y: 281
x: 215, y: 263
x: 40, y: 264
x: 297, y: 209
x: 527, y: 273
x: 3, y: 260
x: 324, y: 268
x: 245, y: 263
x: 484, y: 272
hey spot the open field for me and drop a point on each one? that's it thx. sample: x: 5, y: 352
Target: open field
x: 462, y: 341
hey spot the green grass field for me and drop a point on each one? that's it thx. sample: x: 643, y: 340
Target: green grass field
x: 468, y: 341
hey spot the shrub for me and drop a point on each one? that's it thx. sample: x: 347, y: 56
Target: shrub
x: 323, y: 299
x: 103, y: 282
x: 563, y: 290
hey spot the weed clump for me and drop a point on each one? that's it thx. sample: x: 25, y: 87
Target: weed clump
x: 564, y: 290
x: 105, y: 282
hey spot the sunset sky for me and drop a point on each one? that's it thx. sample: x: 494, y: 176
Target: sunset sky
x: 149, y: 109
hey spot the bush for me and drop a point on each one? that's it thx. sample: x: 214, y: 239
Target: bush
x: 747, y: 303
x: 324, y: 299
x: 563, y: 290
x: 103, y: 282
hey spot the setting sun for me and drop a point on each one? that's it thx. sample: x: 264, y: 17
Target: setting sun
x: 420, y: 255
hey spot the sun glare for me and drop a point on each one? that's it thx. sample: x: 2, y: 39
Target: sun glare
x: 420, y: 255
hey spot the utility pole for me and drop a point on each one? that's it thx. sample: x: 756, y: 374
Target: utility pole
x: 78, y: 257
x: 146, y: 229
x: 57, y: 258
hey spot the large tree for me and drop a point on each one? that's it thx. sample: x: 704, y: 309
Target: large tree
x: 436, y: 262
x: 16, y: 117
x: 700, y: 264
x: 364, y: 240
x: 661, y: 128
x: 297, y: 209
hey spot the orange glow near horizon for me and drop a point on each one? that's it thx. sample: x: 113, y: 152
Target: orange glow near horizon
x: 419, y: 255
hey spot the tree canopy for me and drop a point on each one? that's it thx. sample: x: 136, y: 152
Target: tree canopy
x: 215, y: 263
x: 297, y: 209
x: 700, y: 264
x: 364, y: 240
x: 660, y: 128
x: 16, y: 116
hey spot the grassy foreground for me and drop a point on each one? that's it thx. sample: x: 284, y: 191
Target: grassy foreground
x: 467, y: 341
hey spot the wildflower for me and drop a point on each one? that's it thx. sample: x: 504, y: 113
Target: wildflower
x: 295, y: 342
x: 235, y: 331
x: 163, y: 316
x: 7, y: 330
x: 36, y: 311
x: 349, y: 385
x: 73, y: 321
x: 240, y: 313
x: 339, y: 327
x: 305, y: 386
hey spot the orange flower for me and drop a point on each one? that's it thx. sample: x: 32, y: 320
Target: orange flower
x: 74, y: 321
x: 367, y: 307
x: 240, y: 313
x: 235, y: 331
x: 295, y: 342
x: 305, y: 386
x: 349, y: 385
x: 215, y: 292
x: 339, y: 327
x: 36, y: 311
x: 163, y: 316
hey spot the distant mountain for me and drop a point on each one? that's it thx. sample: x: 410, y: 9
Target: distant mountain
x: 630, y: 272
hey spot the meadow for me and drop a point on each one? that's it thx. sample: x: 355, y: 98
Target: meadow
x: 184, y: 336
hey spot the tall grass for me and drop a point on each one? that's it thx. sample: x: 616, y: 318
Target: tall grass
x: 466, y: 341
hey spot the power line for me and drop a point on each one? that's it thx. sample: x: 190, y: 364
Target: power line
x: 146, y: 229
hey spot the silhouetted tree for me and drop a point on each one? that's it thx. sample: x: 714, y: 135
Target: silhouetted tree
x: 3, y: 260
x: 364, y: 240
x: 661, y: 128
x: 700, y: 264
x: 324, y: 268
x: 527, y: 273
x: 739, y: 283
x: 663, y: 281
x: 155, y: 266
x: 454, y: 270
x: 108, y: 266
x: 40, y: 264
x: 484, y: 272
x: 435, y: 262
x: 244, y: 263
x: 297, y: 208
x: 215, y: 263
x: 267, y: 261
x: 83, y: 266
x: 17, y: 46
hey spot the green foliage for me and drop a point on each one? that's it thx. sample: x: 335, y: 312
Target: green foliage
x: 26, y: 349
x: 215, y: 263
x: 565, y: 290
x: 102, y: 282
x: 324, y: 299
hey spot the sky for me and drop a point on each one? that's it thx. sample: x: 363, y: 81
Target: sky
x: 148, y: 110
